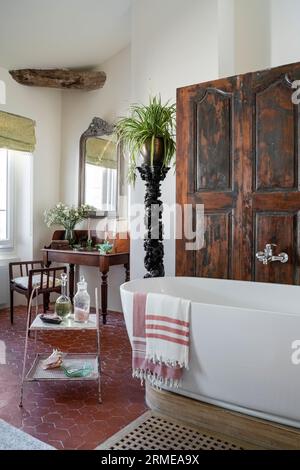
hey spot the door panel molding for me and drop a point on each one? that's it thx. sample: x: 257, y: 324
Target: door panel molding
x: 275, y: 138
x: 213, y: 159
x: 215, y: 259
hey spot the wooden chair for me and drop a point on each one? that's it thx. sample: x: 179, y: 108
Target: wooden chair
x: 25, y: 275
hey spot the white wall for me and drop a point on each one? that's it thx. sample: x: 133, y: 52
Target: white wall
x: 226, y: 37
x: 252, y: 34
x: 78, y: 109
x: 174, y: 43
x: 44, y: 106
x: 285, y: 32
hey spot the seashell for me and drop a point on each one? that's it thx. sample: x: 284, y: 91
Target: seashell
x: 53, y: 361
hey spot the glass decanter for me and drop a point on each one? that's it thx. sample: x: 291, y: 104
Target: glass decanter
x: 81, y: 302
x: 63, y: 306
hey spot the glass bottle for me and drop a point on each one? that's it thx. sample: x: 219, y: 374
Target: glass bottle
x: 63, y: 306
x: 81, y: 302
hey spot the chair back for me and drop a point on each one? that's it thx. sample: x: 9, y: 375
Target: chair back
x: 22, y: 268
x: 48, y: 279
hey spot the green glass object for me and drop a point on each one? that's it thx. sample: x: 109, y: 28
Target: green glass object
x: 83, y: 371
x: 76, y: 247
x: 105, y: 248
x: 89, y: 244
x: 63, y: 306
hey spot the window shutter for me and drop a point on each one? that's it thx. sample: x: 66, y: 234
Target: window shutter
x: 17, y: 132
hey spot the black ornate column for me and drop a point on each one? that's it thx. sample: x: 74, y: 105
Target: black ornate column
x: 153, y: 240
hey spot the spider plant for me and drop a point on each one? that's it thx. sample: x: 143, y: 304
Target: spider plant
x: 144, y: 125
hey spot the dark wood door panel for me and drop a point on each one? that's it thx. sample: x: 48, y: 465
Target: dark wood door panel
x: 238, y: 155
x: 213, y: 123
x: 275, y: 149
x: 213, y: 200
x: 215, y: 258
x: 275, y: 137
x: 210, y: 110
x: 282, y: 201
x: 206, y: 168
x: 282, y: 229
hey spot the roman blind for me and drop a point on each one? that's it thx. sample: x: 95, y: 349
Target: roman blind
x: 17, y: 132
x: 101, y: 152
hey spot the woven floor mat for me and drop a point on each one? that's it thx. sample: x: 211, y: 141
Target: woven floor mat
x: 153, y: 431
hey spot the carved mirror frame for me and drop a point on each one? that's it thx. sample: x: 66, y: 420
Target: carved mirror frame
x: 97, y: 128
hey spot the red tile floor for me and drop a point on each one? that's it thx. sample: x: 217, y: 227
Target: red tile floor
x: 64, y: 414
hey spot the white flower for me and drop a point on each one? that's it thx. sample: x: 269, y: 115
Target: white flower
x: 64, y: 215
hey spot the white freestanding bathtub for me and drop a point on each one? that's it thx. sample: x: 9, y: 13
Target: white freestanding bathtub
x: 241, y: 343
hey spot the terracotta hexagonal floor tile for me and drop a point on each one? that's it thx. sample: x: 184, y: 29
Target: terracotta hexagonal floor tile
x: 45, y: 428
x: 60, y: 434
x: 78, y: 430
x: 51, y: 418
x: 63, y: 414
x: 58, y: 444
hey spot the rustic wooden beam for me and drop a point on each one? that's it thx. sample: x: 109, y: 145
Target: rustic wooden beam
x: 60, y: 78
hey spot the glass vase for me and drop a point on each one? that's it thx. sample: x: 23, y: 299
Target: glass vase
x: 69, y: 235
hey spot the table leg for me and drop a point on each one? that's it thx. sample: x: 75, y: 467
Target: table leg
x: 104, y: 295
x: 76, y: 275
x: 46, y: 261
x: 127, y: 272
x: 71, y: 282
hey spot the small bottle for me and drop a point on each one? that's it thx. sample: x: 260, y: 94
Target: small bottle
x: 81, y: 302
x: 63, y: 306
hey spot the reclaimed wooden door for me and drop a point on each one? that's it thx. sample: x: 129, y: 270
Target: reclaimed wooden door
x: 238, y: 155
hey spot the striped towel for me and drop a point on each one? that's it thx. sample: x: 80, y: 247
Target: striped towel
x: 160, y: 340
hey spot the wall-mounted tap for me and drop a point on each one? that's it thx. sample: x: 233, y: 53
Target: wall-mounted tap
x: 267, y: 256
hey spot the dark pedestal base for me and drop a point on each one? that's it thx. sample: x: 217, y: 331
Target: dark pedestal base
x: 153, y: 241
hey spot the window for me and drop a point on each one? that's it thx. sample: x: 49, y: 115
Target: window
x: 6, y: 203
x: 101, y: 187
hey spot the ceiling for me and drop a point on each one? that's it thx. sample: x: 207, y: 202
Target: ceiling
x: 62, y: 33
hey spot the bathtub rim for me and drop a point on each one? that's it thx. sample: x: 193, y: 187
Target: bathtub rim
x: 212, y: 304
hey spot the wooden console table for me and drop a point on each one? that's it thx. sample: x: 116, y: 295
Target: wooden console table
x: 88, y: 258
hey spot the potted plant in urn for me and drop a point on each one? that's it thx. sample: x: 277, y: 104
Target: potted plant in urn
x: 149, y: 133
x: 68, y: 217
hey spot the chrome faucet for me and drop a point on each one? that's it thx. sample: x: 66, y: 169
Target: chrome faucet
x: 267, y: 256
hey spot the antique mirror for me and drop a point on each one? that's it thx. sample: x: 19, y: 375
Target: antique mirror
x: 101, y: 172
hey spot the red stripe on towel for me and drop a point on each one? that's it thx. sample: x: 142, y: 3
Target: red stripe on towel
x: 176, y: 331
x: 161, y: 370
x: 168, y: 338
x: 139, y: 308
x: 167, y: 319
